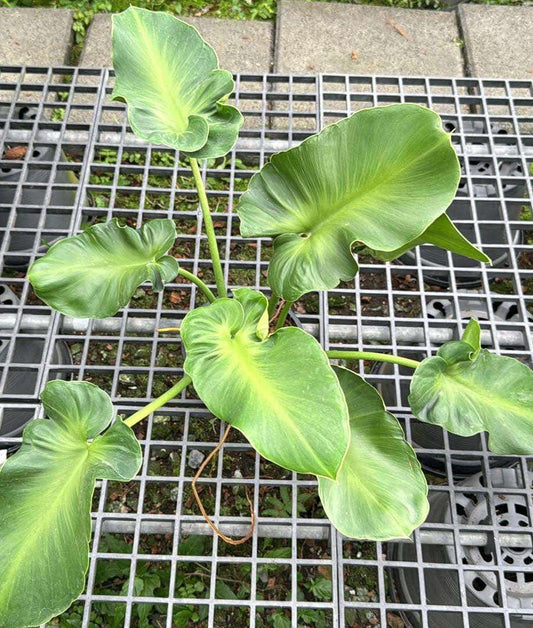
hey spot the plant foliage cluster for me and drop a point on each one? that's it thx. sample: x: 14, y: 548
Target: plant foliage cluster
x: 378, y: 182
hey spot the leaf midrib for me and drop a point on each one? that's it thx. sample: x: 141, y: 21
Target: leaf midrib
x: 363, y: 488
x: 43, y: 522
x: 272, y: 399
x: 182, y: 118
x: 355, y: 197
x: 113, y: 264
x: 487, y: 396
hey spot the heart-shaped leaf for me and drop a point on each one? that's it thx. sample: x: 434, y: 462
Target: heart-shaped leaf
x: 94, y: 274
x: 46, y: 490
x: 279, y: 390
x: 379, y: 178
x: 380, y: 492
x: 467, y: 390
x: 169, y: 77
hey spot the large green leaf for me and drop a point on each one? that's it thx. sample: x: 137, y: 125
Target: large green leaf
x: 169, y: 77
x: 442, y: 233
x: 45, y: 500
x: 467, y: 390
x: 94, y: 274
x: 279, y: 390
x: 380, y: 492
x: 379, y: 178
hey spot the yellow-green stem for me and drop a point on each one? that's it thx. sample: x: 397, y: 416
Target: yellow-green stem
x: 272, y: 302
x: 209, y: 228
x: 157, y: 403
x: 198, y: 282
x: 373, y: 357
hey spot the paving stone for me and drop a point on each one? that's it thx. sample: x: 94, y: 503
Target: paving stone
x: 35, y: 36
x: 241, y: 46
x: 354, y: 39
x: 498, y: 40
x: 96, y: 51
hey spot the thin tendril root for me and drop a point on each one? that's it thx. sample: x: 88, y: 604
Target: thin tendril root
x: 201, y: 506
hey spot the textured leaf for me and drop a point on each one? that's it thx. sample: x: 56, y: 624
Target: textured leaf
x: 441, y: 233
x: 45, y: 495
x: 379, y: 178
x: 94, y: 274
x: 169, y: 77
x: 279, y: 390
x: 468, y: 390
x: 380, y: 492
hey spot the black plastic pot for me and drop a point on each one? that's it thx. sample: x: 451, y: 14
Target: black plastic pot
x: 427, y: 436
x: 474, y: 307
x: 27, y: 351
x: 22, y: 243
x: 21, y: 381
x: 442, y: 586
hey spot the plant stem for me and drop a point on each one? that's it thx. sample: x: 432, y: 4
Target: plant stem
x: 198, y: 282
x: 283, y: 315
x: 373, y: 357
x: 272, y: 302
x: 209, y: 228
x: 157, y: 403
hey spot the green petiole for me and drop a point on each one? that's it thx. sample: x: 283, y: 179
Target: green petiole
x: 199, y: 283
x: 157, y: 403
x: 209, y: 228
x: 283, y: 315
x: 272, y: 302
x: 373, y: 357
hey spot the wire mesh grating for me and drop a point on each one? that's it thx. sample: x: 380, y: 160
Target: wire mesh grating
x: 153, y: 559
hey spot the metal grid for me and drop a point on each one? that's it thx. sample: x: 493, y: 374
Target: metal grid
x: 151, y: 548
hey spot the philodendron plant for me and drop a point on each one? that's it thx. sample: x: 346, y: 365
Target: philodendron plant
x: 379, y: 181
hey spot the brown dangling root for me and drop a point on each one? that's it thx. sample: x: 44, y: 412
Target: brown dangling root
x: 201, y: 506
x: 277, y: 312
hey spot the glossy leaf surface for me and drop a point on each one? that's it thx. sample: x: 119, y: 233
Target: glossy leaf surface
x: 467, y: 390
x: 46, y: 490
x: 441, y: 233
x: 169, y: 77
x: 278, y: 389
x: 94, y: 274
x: 380, y: 492
x: 379, y: 178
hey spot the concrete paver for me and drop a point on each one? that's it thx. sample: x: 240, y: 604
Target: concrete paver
x: 241, y: 46
x: 356, y: 39
x: 35, y: 36
x: 498, y: 40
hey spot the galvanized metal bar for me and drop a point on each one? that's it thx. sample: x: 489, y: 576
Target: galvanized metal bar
x: 337, y: 333
x: 409, y: 306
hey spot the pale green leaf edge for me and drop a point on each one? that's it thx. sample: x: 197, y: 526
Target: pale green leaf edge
x: 424, y: 514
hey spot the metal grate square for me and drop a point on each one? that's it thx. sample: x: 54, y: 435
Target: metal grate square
x: 153, y: 558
